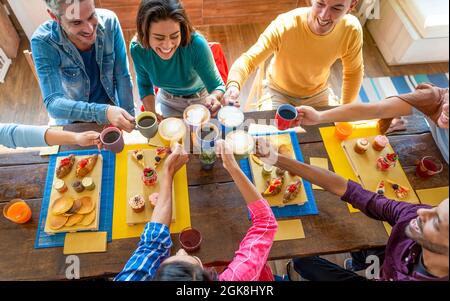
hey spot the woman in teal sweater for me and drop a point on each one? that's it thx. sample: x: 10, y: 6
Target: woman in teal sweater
x: 169, y: 54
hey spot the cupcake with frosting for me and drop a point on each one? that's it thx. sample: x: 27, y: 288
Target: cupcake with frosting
x: 137, y: 203
x: 361, y: 145
x: 380, y: 142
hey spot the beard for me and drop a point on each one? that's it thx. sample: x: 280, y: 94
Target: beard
x: 427, y: 245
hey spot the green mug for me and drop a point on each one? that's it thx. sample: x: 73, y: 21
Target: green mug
x: 147, y: 124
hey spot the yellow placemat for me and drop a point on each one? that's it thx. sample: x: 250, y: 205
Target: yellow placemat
x: 337, y: 155
x: 290, y: 229
x: 364, y: 166
x: 432, y: 196
x: 318, y: 162
x: 85, y: 242
x: 119, y: 228
x: 51, y: 150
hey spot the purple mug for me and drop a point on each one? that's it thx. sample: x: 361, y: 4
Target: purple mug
x: 112, y: 139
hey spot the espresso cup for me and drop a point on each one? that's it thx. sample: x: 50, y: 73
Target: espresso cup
x: 285, y: 117
x: 147, y: 124
x: 242, y: 144
x: 112, y: 139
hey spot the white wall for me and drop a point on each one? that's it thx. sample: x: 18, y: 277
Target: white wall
x: 30, y: 13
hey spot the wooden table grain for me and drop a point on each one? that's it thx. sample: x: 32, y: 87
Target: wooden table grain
x: 217, y: 210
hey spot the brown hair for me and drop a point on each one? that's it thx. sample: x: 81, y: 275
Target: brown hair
x: 159, y: 10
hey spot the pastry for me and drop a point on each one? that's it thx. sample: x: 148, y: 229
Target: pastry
x: 87, y: 205
x: 56, y: 222
x: 77, y: 186
x: 400, y: 191
x: 273, y: 187
x: 60, y: 186
x: 380, y: 188
x: 75, y: 207
x: 137, y: 203
x: 292, y: 191
x: 65, y: 166
x: 62, y: 205
x: 88, y: 183
x: 267, y: 169
x: 257, y: 160
x: 149, y: 176
x: 138, y: 156
x: 161, y: 154
x: 87, y: 219
x: 86, y: 165
x: 74, y: 219
x: 361, y: 145
x: 380, y: 142
x: 386, y: 162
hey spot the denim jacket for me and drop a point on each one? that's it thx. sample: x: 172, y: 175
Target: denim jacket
x: 63, y: 78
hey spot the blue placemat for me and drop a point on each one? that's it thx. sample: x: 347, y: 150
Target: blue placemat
x: 43, y: 240
x: 308, y: 208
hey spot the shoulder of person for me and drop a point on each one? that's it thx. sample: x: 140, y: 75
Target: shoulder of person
x: 107, y: 17
x: 45, y: 31
x: 351, y: 24
x: 136, y: 47
x: 289, y: 20
x: 198, y: 42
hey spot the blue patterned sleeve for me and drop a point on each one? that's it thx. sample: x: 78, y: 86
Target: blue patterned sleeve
x: 155, y: 245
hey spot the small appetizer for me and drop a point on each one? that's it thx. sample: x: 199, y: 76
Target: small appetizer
x: 86, y: 165
x: 138, y: 156
x: 78, y: 186
x: 380, y: 142
x: 381, y: 188
x: 292, y: 191
x: 149, y: 176
x: 267, y: 170
x: 400, y: 191
x: 137, y: 203
x: 273, y: 187
x: 88, y: 183
x: 65, y: 166
x: 60, y: 186
x: 361, y: 145
x: 386, y: 162
x: 161, y: 154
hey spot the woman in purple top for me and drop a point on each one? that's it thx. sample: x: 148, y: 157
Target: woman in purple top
x: 418, y: 247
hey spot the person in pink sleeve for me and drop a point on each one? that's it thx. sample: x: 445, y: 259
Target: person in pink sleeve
x: 250, y: 260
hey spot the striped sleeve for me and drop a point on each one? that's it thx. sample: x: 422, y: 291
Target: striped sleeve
x: 249, y: 262
x: 155, y: 245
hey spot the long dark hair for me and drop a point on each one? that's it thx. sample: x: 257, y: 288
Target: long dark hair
x: 159, y: 10
x: 184, y: 271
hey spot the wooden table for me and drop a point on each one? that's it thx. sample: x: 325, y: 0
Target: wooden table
x: 217, y: 210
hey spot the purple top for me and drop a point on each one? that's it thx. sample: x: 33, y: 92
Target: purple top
x: 401, y: 251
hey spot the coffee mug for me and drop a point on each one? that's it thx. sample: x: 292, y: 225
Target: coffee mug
x: 147, y: 124
x: 206, y: 136
x: 112, y: 139
x: 190, y: 239
x: 285, y: 117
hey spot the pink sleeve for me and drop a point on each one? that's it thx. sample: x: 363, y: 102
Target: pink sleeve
x: 249, y: 263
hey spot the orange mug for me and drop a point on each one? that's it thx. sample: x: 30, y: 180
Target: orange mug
x: 17, y: 211
x: 343, y: 130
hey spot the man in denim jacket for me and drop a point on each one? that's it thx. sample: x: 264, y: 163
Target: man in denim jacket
x: 81, y: 61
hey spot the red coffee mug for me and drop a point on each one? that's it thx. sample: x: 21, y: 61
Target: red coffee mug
x: 285, y: 117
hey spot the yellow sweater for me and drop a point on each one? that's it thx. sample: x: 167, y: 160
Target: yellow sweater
x: 302, y: 60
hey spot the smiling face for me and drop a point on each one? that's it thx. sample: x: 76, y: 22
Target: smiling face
x: 430, y: 229
x: 80, y: 28
x: 325, y: 14
x: 165, y: 38
x: 443, y: 119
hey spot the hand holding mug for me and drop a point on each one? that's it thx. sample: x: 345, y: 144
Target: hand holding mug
x: 120, y: 118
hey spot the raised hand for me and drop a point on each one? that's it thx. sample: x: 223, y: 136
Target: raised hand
x: 120, y: 118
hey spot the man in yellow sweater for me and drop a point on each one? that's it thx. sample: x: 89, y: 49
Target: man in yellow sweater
x: 305, y: 43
